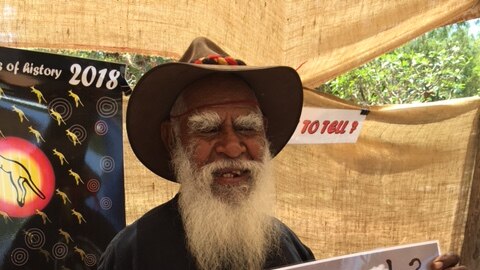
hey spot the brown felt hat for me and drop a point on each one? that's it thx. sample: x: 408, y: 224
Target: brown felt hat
x: 278, y: 90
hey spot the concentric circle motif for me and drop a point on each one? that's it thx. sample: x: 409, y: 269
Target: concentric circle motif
x: 59, y: 250
x: 106, y: 203
x: 107, y: 164
x: 93, y: 185
x: 107, y: 107
x: 34, y: 238
x: 101, y: 127
x: 19, y: 256
x: 90, y: 260
x: 79, y: 131
x: 62, y: 106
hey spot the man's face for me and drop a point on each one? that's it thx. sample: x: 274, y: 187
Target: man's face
x: 220, y: 121
x: 221, y: 159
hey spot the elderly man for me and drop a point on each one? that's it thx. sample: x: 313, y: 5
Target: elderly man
x: 213, y: 124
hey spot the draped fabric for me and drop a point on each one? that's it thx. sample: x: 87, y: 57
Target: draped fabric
x: 324, y: 38
x: 409, y: 178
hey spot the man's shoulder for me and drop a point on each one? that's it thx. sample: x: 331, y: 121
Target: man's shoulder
x: 169, y: 208
x: 152, y: 226
x: 120, y: 253
x: 291, y: 248
x: 165, y: 216
x: 156, y: 214
x: 285, y: 231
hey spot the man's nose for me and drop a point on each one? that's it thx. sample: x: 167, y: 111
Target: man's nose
x: 230, y: 144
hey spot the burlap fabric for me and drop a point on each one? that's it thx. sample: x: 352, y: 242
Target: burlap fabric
x: 325, y: 38
x: 408, y: 178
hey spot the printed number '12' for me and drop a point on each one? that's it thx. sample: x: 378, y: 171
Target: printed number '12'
x: 390, y: 267
x: 89, y: 75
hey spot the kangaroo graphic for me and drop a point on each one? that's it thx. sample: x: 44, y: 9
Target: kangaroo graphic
x: 44, y: 216
x: 39, y: 94
x: 46, y: 254
x: 63, y: 195
x: 76, y: 176
x: 60, y: 156
x: 5, y: 216
x: 21, y: 114
x: 75, y: 97
x: 19, y: 177
x: 79, y: 216
x: 66, y: 235
x: 36, y: 133
x: 72, y: 137
x: 57, y: 116
x: 80, y: 252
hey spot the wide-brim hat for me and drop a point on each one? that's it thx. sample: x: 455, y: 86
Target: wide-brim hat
x: 278, y: 90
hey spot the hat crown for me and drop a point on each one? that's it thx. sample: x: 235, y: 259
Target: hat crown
x: 199, y: 48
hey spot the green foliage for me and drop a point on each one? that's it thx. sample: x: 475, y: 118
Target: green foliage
x: 442, y: 64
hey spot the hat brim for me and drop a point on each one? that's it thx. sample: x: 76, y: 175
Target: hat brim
x: 278, y: 90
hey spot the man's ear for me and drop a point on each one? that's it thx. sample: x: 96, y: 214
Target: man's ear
x: 167, y: 134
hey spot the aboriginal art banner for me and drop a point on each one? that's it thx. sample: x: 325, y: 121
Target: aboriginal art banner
x: 61, y: 159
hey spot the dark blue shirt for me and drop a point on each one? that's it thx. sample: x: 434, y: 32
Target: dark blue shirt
x: 157, y: 241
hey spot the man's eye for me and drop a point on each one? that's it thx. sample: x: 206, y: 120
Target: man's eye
x: 208, y: 130
x: 247, y: 129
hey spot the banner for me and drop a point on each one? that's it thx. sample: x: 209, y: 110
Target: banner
x: 61, y: 159
x: 318, y: 125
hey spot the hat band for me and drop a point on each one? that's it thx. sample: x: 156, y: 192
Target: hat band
x: 215, y: 59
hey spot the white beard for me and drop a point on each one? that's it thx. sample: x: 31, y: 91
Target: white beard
x: 227, y: 227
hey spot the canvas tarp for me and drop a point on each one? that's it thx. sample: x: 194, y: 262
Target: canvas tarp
x: 325, y: 38
x: 408, y: 179
x: 411, y: 176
